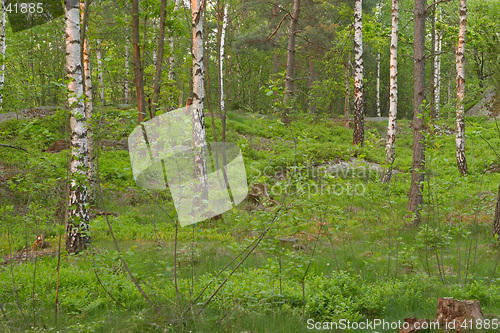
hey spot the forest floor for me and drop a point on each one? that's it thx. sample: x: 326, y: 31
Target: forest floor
x: 338, y: 246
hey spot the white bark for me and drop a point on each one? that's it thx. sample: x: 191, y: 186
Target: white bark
x: 77, y: 227
x: 171, y: 59
x: 198, y: 98
x: 460, y: 62
x: 379, y: 15
x: 221, y: 59
x: 393, y: 92
x: 88, y: 110
x: 438, y: 39
x: 3, y: 46
x: 100, y: 71
x: 359, y: 105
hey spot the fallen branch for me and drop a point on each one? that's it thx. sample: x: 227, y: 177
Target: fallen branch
x: 9, y: 146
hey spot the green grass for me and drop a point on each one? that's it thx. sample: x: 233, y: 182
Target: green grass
x: 367, y: 262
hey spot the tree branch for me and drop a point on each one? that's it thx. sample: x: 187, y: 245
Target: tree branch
x: 435, y: 3
x: 9, y: 146
x: 277, y: 28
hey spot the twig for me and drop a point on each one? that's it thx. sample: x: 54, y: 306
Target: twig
x: 14, y: 147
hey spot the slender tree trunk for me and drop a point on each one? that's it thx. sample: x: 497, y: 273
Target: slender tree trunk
x: 100, y: 71
x: 171, y: 60
x: 221, y: 60
x: 88, y: 104
x: 393, y: 94
x: 347, y: 91
x: 290, y: 61
x: 437, y: 70
x: 77, y: 226
x: 199, y: 142
x: 125, y: 83
x: 359, y: 103
x: 460, y: 124
x: 275, y: 56
x: 138, y: 79
x: 312, y: 78
x: 433, y: 64
x: 418, y: 164
x: 496, y: 220
x: 379, y: 15
x: 2, y: 54
x: 159, y: 58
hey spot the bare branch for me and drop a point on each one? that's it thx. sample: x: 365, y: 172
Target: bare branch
x: 277, y: 28
x: 435, y: 3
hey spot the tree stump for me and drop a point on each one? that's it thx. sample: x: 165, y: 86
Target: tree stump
x: 456, y: 314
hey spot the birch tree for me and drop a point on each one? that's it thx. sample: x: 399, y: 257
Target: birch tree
x: 438, y: 41
x: 393, y: 93
x: 77, y: 226
x: 359, y: 104
x: 221, y: 59
x: 379, y: 16
x: 138, y: 74
x: 171, y: 59
x: 88, y: 100
x: 460, y: 62
x: 2, y: 53
x: 198, y: 96
x: 290, y: 61
x: 417, y: 172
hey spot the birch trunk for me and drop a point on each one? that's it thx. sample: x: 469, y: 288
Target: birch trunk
x: 290, y: 61
x: 221, y: 60
x: 100, y: 71
x: 460, y: 124
x: 198, y: 100
x: 2, y: 54
x: 138, y: 76
x: 359, y: 105
x: 88, y: 108
x: 125, y: 84
x: 393, y: 93
x: 347, y: 92
x: 158, y: 61
x: 171, y: 59
x: 437, y: 70
x: 379, y: 14
x: 77, y: 226
x: 418, y: 163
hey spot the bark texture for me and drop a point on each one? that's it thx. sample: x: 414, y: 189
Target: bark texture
x: 418, y: 164
x: 77, y: 226
x: 125, y: 82
x: 438, y: 41
x: 158, y: 61
x: 2, y: 54
x: 138, y: 77
x: 221, y: 60
x: 460, y: 123
x: 393, y: 92
x: 379, y: 15
x: 88, y: 107
x: 453, y: 313
x: 496, y: 220
x: 359, y: 103
x: 198, y: 97
x: 290, y: 60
